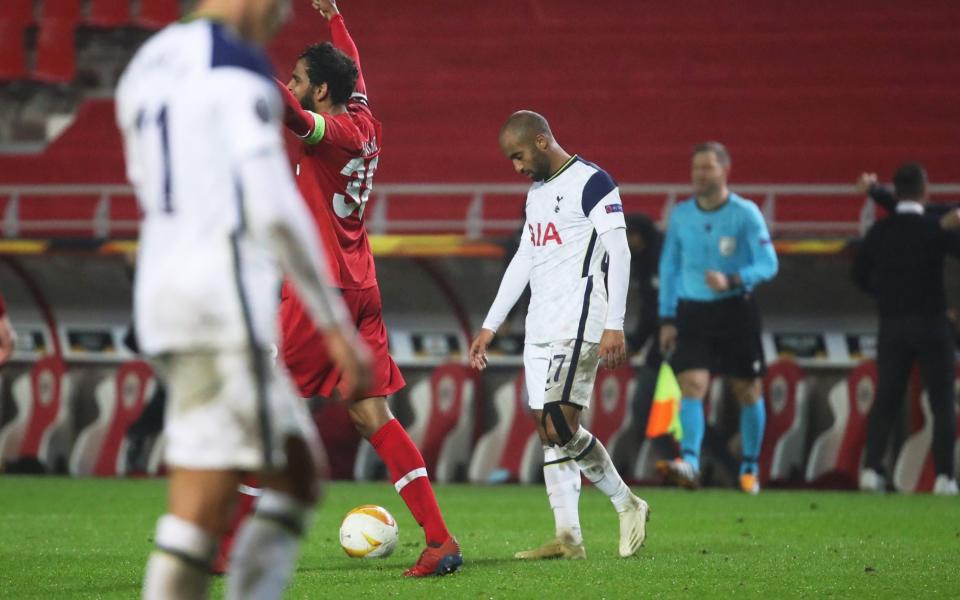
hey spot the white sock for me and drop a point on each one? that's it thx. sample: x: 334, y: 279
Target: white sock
x: 593, y: 460
x: 263, y: 558
x: 180, y: 566
x: 562, y: 478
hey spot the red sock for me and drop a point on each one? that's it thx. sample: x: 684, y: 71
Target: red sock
x: 408, y: 472
x: 241, y: 511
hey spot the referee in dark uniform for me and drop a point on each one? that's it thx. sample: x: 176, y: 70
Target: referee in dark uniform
x: 901, y: 263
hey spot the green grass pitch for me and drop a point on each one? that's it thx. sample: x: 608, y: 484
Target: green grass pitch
x: 72, y: 538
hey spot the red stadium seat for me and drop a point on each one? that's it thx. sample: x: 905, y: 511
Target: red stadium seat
x: 57, y: 216
x: 154, y: 14
x: 609, y: 412
x: 56, y: 53
x: 511, y: 450
x: 443, y: 422
x: 19, y: 12
x: 120, y: 398
x: 837, y: 452
x: 914, y: 470
x: 124, y: 217
x: 109, y: 13
x: 43, y: 401
x: 63, y: 10
x: 13, y: 55
x: 785, y: 397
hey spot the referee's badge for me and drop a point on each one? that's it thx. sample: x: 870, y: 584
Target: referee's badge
x: 727, y: 245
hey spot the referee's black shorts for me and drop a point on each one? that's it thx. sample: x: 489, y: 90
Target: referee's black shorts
x: 722, y: 336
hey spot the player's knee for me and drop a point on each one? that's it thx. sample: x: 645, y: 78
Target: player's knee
x: 304, y: 473
x: 693, y: 385
x: 746, y: 391
x: 555, y: 424
x: 369, y: 415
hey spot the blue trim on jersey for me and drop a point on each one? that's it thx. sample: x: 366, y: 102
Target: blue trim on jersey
x: 589, y: 256
x: 596, y: 189
x: 260, y: 368
x: 230, y: 51
x: 575, y: 355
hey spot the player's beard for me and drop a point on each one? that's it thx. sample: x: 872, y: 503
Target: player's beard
x: 541, y: 167
x: 307, y: 102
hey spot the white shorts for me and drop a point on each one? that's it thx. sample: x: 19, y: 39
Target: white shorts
x: 553, y: 374
x: 227, y: 410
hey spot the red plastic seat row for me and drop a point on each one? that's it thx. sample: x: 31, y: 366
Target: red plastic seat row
x: 154, y: 14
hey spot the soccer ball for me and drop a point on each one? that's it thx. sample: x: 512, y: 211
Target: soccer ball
x: 369, y: 531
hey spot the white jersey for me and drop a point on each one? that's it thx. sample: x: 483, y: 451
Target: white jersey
x: 565, y: 215
x: 196, y: 102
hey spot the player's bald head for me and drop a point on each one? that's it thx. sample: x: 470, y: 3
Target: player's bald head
x: 527, y: 141
x: 525, y: 125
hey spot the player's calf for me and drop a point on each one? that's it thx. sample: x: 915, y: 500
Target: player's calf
x: 267, y: 546
x: 179, y: 567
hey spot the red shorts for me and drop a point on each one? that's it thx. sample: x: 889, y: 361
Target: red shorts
x: 306, y: 356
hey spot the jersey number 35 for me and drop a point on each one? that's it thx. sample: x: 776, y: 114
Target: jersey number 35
x: 358, y: 187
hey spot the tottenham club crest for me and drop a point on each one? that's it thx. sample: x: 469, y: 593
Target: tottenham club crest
x: 557, y: 207
x: 728, y: 245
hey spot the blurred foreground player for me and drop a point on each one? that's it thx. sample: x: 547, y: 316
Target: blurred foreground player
x: 200, y: 115
x: 574, y: 236
x: 326, y: 106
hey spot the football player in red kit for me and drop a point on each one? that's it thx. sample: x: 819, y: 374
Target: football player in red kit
x: 326, y: 106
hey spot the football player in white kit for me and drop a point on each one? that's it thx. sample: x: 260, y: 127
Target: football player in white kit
x: 200, y: 117
x: 573, y: 247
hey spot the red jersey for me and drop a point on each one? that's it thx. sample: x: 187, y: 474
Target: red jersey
x: 335, y: 177
x: 335, y: 168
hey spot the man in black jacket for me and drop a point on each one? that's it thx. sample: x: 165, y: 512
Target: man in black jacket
x: 901, y: 263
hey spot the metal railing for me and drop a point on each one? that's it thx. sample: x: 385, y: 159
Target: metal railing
x: 474, y: 224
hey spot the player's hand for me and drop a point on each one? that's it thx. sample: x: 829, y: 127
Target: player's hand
x: 327, y: 8
x: 717, y: 281
x: 951, y: 220
x: 668, y: 339
x: 613, y: 348
x: 8, y: 339
x: 478, y: 349
x: 865, y: 181
x: 353, y: 359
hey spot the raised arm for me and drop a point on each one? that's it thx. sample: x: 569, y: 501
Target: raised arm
x: 869, y: 185
x: 341, y: 38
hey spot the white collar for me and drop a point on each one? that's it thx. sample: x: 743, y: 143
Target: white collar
x: 909, y: 207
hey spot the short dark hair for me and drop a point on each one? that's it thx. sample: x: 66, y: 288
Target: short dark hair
x: 723, y: 156
x: 326, y: 64
x: 910, y: 181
